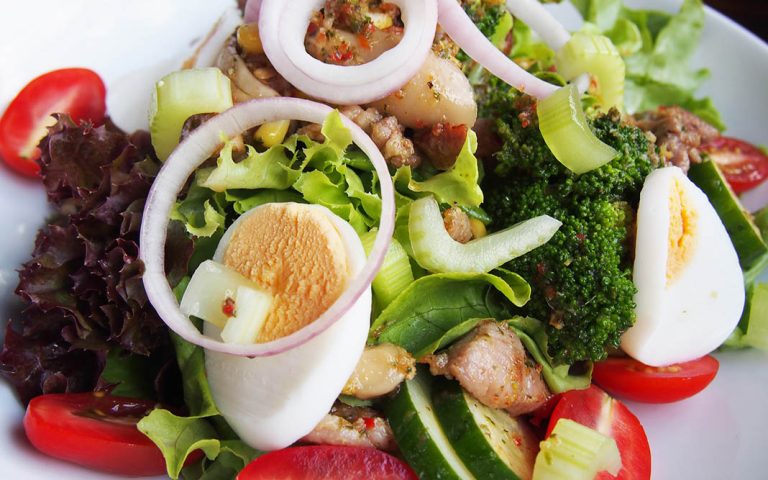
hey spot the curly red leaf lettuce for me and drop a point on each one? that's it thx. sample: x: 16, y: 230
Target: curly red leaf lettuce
x: 82, y: 287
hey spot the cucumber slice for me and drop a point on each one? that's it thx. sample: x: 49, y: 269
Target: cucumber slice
x: 180, y: 95
x: 490, y: 442
x: 419, y: 435
x: 746, y: 238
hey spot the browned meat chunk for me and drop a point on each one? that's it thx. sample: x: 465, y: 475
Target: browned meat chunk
x: 386, y: 132
x: 441, y: 143
x: 679, y: 134
x: 457, y: 224
x: 492, y: 365
x: 353, y: 426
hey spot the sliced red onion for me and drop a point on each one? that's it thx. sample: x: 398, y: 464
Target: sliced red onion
x: 283, y: 26
x: 463, y: 31
x: 208, y: 50
x: 188, y: 156
x: 251, y: 11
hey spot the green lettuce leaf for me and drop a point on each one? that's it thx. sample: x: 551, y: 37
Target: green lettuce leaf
x: 431, y: 311
x: 204, y: 429
x: 269, y: 169
x: 457, y: 185
x: 657, y: 48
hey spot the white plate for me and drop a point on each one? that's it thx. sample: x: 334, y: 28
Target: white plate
x: 718, y: 434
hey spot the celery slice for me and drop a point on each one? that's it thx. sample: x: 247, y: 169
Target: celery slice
x: 566, y: 132
x: 395, y: 273
x: 575, y: 452
x: 435, y: 250
x: 251, y: 310
x: 595, y: 54
x: 180, y: 95
x: 210, y: 286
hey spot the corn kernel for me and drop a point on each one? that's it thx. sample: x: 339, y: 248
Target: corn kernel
x: 249, y: 40
x: 477, y: 227
x: 272, y: 133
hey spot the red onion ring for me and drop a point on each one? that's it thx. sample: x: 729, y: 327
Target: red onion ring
x: 283, y: 25
x: 251, y: 11
x: 463, y: 31
x: 192, y: 152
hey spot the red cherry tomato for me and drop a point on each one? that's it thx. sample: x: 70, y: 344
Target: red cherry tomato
x: 94, y: 430
x: 78, y: 92
x: 595, y: 409
x: 743, y: 165
x: 632, y: 380
x: 322, y: 462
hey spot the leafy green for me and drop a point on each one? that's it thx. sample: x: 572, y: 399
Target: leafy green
x: 657, y: 47
x: 269, y: 169
x: 204, y: 429
x: 436, y: 308
x: 331, y: 173
x: 559, y: 378
x: 128, y: 372
x: 752, y: 330
x: 457, y: 185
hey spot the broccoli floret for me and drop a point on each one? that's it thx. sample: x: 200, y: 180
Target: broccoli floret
x: 582, y: 278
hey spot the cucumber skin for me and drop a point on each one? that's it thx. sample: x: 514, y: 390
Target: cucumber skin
x: 421, y: 453
x: 745, y: 237
x: 467, y: 438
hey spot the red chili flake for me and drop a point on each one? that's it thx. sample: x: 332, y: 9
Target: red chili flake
x: 369, y: 422
x: 363, y: 41
x: 228, y: 307
x: 541, y: 268
x: 581, y: 237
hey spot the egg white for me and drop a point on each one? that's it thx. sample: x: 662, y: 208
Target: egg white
x: 690, y: 314
x: 271, y: 402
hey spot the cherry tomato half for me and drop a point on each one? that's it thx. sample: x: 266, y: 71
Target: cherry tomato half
x: 743, y: 165
x: 78, y: 92
x: 597, y: 410
x: 632, y: 380
x: 322, y: 462
x: 94, y: 430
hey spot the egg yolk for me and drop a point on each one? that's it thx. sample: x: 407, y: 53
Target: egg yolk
x: 682, y: 230
x: 297, y: 255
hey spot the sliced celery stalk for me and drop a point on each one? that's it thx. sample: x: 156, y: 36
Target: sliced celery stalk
x: 566, y: 132
x: 180, y: 95
x: 251, y: 310
x: 435, y: 250
x: 395, y: 273
x: 595, y: 54
x: 575, y: 452
x: 210, y: 286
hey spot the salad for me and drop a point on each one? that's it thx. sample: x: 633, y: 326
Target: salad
x: 387, y: 240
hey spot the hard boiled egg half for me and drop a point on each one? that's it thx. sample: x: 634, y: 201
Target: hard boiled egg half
x: 278, y: 268
x: 690, y: 289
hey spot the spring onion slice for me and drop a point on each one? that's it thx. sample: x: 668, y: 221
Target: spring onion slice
x: 595, y: 54
x: 565, y: 129
x: 576, y: 452
x: 435, y: 250
x: 395, y: 273
x: 180, y: 95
